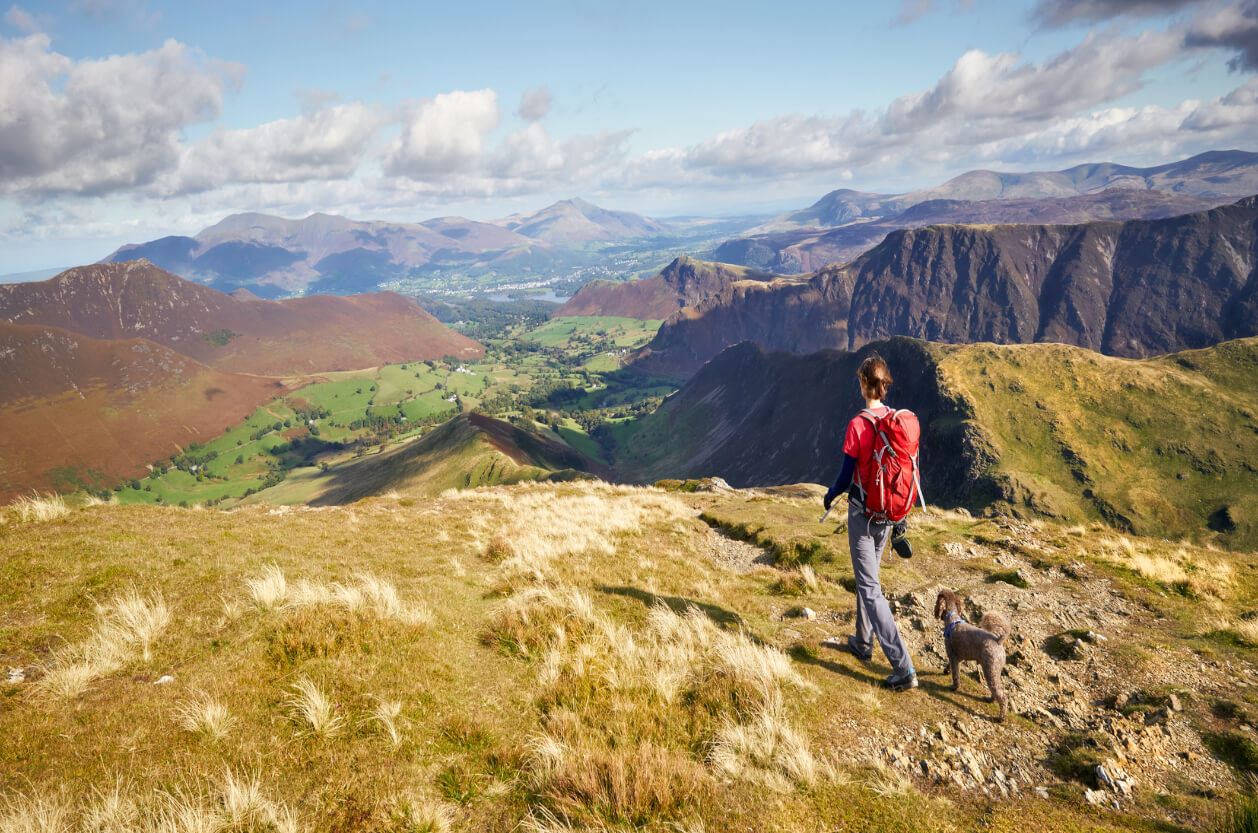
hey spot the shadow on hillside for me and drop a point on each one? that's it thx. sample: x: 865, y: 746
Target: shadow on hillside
x: 939, y: 691
x: 679, y: 604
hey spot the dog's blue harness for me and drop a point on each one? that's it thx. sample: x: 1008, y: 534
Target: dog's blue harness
x: 954, y: 619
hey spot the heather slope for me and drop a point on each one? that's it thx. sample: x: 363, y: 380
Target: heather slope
x: 683, y: 283
x: 238, y: 334
x: 77, y: 411
x: 1045, y: 429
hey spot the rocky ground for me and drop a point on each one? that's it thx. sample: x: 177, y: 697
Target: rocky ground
x: 1069, y: 676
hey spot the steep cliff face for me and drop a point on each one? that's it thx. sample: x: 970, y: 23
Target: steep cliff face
x: 1135, y: 288
x: 683, y: 283
x: 809, y: 249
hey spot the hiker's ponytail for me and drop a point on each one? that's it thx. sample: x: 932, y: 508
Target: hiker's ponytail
x: 874, y: 376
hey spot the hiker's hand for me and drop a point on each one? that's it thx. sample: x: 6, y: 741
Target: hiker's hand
x: 829, y: 499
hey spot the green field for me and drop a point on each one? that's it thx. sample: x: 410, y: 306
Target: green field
x: 567, y: 370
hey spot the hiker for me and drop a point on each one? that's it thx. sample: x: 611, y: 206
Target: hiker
x: 867, y: 537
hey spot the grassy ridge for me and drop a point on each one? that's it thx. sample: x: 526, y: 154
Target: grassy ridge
x: 1164, y: 446
x: 557, y: 657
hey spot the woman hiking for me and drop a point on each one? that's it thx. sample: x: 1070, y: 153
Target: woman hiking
x: 866, y: 537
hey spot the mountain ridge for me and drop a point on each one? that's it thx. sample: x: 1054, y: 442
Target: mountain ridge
x: 1134, y: 289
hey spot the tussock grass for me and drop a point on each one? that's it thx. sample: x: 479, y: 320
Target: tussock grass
x: 765, y: 748
x: 125, y: 630
x: 422, y: 814
x: 387, y: 715
x: 202, y: 714
x: 367, y: 595
x: 1180, y: 571
x: 544, y: 525
x: 725, y: 675
x: 37, y: 508
x: 237, y: 803
x: 314, y: 710
x: 36, y: 814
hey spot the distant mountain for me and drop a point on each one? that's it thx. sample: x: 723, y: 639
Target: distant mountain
x: 684, y: 282
x: 274, y: 256
x: 577, y: 221
x: 464, y: 452
x: 235, y: 333
x: 1221, y: 174
x: 1135, y: 288
x: 78, y: 411
x: 1043, y: 429
x: 805, y: 250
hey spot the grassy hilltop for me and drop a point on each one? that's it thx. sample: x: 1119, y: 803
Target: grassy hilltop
x: 1163, y: 447
x: 556, y: 657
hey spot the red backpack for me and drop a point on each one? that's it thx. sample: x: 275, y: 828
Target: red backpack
x: 889, y: 483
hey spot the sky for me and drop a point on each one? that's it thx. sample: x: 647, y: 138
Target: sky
x: 128, y: 120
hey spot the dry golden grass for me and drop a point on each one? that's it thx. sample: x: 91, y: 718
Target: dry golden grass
x: 765, y: 748
x: 387, y: 714
x: 423, y: 814
x: 125, y: 630
x: 238, y: 803
x: 1245, y: 629
x: 1185, y: 569
x: 368, y: 595
x: 314, y: 710
x: 37, y: 508
x: 204, y: 715
x: 544, y: 525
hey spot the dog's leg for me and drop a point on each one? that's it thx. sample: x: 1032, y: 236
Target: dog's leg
x: 992, y: 674
x: 956, y: 672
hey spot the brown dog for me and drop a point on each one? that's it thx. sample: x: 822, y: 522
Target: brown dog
x: 984, y: 644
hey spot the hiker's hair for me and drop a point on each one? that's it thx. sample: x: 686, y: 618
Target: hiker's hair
x: 874, y: 376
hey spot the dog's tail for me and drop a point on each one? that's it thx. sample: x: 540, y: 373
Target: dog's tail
x: 996, y: 625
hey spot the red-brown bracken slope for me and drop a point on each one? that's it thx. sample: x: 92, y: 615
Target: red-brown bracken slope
x: 275, y: 338
x: 79, y: 410
x: 683, y: 283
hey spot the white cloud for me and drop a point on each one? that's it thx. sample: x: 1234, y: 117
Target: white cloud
x: 443, y: 135
x: 1061, y: 12
x: 20, y: 18
x: 96, y: 126
x: 329, y: 144
x: 534, y: 104
x: 1233, y: 27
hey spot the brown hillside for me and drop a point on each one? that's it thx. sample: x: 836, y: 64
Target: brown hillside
x: 316, y: 333
x: 78, y: 410
x: 683, y: 283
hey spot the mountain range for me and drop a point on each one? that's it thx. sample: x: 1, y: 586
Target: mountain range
x: 1214, y: 174
x: 274, y: 256
x: 1136, y: 288
x: 808, y: 249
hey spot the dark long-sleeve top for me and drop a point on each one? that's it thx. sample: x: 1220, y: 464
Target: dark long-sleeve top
x: 844, y: 480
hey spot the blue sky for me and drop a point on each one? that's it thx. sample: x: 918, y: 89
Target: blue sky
x: 127, y: 120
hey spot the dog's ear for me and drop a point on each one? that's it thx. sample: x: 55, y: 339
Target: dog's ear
x: 939, y: 604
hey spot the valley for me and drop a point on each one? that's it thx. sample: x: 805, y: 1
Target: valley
x: 517, y: 527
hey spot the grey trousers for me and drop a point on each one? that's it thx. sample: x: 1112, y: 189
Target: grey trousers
x: 873, y: 614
